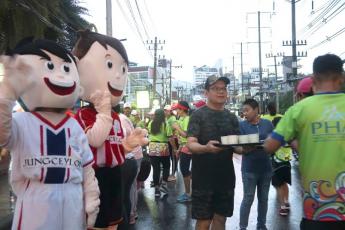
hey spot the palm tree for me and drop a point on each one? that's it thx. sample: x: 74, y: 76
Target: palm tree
x: 53, y: 19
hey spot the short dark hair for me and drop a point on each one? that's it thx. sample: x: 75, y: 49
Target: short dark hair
x: 251, y: 102
x: 271, y: 107
x: 275, y: 121
x: 328, y: 63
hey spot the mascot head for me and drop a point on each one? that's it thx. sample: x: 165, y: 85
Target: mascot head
x: 54, y: 72
x: 103, y: 65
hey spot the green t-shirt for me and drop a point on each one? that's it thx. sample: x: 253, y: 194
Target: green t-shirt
x: 183, y: 123
x: 270, y: 117
x: 318, y: 123
x: 170, y: 121
x: 162, y: 136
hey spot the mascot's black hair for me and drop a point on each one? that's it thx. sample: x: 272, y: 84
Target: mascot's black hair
x: 87, y: 38
x: 30, y: 46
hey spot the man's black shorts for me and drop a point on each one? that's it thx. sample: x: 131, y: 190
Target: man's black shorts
x: 206, y: 203
x: 281, y: 173
x: 321, y: 225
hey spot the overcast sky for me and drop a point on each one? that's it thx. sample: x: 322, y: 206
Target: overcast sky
x: 200, y: 32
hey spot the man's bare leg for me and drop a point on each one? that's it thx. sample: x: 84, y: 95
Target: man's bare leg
x: 218, y: 222
x: 203, y: 224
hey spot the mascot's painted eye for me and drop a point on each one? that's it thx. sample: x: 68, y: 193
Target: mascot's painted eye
x: 109, y: 64
x: 49, y: 65
x: 65, y: 68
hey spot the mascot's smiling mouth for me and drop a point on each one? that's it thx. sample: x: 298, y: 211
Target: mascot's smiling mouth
x: 114, y: 92
x: 58, y: 89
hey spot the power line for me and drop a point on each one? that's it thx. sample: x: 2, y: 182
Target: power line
x: 142, y: 20
x: 135, y: 30
x: 329, y: 38
x: 318, y: 22
x: 28, y: 7
x: 329, y: 18
x: 150, y: 18
x: 57, y: 18
x: 129, y: 6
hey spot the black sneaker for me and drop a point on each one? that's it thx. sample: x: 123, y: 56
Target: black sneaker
x: 164, y: 188
x: 157, y: 192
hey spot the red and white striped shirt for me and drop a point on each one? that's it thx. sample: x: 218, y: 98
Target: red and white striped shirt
x: 111, y: 153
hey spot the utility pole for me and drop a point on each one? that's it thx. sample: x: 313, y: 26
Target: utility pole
x: 109, y: 18
x: 270, y: 55
x: 233, y: 73
x: 155, y: 48
x: 170, y: 77
x: 276, y: 88
x: 242, y: 68
x: 259, y: 27
x: 260, y: 64
x: 293, y: 37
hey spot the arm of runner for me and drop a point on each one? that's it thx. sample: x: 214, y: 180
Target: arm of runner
x: 271, y: 145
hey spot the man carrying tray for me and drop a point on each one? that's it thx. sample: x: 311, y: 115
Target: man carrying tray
x: 213, y: 170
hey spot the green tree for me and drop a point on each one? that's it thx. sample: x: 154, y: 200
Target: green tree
x: 57, y: 20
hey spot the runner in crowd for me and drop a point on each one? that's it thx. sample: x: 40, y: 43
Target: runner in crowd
x: 272, y: 112
x: 159, y: 151
x: 317, y: 123
x: 170, y: 120
x: 282, y: 174
x: 185, y: 156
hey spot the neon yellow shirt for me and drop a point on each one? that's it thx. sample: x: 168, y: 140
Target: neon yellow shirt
x: 162, y: 136
x: 318, y: 123
x: 183, y: 123
x: 270, y: 117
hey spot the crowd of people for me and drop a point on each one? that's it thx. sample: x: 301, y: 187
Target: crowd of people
x: 110, y: 150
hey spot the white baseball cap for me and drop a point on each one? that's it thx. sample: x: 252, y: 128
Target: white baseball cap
x: 167, y: 107
x: 127, y: 105
x: 134, y: 112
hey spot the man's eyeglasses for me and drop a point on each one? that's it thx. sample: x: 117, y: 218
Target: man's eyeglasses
x: 218, y: 90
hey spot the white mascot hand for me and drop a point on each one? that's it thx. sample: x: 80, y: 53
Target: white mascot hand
x: 137, y: 138
x: 102, y: 102
x: 91, y: 195
x: 18, y: 76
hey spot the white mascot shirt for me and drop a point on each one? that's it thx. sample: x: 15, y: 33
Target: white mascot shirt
x: 47, y: 173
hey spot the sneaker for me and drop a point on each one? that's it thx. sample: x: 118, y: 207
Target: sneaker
x: 157, y: 192
x: 171, y: 178
x: 283, y: 211
x: 132, y: 220
x: 287, y: 206
x: 164, y: 188
x: 184, y: 198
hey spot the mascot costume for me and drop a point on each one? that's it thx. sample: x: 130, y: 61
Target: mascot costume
x: 52, y: 173
x: 103, y: 68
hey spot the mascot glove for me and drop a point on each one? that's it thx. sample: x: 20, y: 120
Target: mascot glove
x: 91, y: 194
x: 18, y: 76
x: 101, y: 102
x: 137, y: 138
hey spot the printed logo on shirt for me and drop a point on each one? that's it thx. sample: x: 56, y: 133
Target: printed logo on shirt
x: 331, y: 126
x: 52, y: 162
x: 117, y: 127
